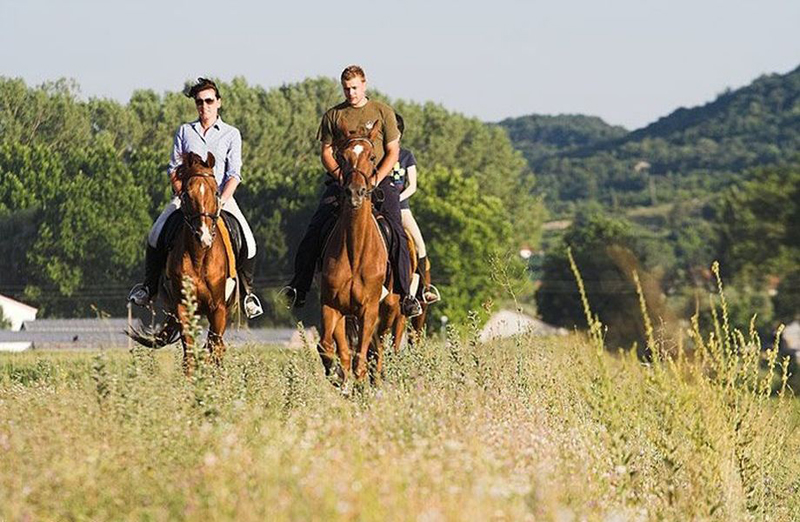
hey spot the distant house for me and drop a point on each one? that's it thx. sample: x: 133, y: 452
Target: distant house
x: 790, y: 340
x: 16, y: 312
x: 507, y: 323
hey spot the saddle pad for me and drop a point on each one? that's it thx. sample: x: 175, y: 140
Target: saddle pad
x: 235, y: 233
x: 226, y: 240
x: 175, y: 223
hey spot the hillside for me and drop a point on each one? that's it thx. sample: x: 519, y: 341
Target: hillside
x: 539, y: 137
x: 689, y: 153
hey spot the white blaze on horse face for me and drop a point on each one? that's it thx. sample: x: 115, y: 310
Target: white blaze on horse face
x: 205, y: 236
x: 358, y: 149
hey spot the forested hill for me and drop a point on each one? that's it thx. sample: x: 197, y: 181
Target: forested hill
x: 691, y: 152
x: 539, y: 137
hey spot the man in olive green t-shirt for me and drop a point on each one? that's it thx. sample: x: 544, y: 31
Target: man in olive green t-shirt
x: 356, y: 112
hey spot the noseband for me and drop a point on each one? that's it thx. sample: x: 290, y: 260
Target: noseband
x: 190, y: 219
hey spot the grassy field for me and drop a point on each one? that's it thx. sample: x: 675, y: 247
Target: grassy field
x: 525, y: 429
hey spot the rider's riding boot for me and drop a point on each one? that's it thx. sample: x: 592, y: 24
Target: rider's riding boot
x: 410, y: 307
x: 252, y: 306
x: 154, y: 260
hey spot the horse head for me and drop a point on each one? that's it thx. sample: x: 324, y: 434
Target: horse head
x: 356, y: 157
x: 200, y: 203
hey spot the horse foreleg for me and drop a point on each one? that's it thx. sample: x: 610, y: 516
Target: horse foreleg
x: 398, y: 329
x: 369, y: 320
x: 418, y: 324
x: 189, y: 359
x: 218, y: 320
x: 343, y: 346
x: 326, y: 347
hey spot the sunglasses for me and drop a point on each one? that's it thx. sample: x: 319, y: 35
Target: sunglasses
x: 208, y: 101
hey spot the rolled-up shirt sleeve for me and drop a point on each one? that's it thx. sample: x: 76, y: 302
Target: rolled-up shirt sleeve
x: 177, y: 151
x: 325, y: 131
x: 233, y: 159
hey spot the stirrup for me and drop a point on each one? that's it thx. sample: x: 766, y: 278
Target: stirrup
x: 431, y: 295
x: 139, y: 295
x: 252, y: 306
x: 292, y: 297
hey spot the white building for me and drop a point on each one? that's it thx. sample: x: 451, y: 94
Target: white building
x: 16, y: 312
x: 507, y: 323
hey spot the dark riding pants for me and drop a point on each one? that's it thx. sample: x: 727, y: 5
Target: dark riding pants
x: 322, y: 221
x: 310, y: 248
x: 399, y: 256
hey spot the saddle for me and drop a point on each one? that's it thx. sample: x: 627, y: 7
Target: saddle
x: 229, y: 229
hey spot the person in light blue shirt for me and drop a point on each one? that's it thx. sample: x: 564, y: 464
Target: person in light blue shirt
x: 207, y: 134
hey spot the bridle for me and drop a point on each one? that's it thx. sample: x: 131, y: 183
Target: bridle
x: 350, y: 169
x: 191, y: 218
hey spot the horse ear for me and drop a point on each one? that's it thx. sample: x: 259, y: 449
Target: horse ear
x: 190, y: 159
x: 210, y: 160
x: 373, y: 132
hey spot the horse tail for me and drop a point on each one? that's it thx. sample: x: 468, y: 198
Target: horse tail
x: 156, y: 338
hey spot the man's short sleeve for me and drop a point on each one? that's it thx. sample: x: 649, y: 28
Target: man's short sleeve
x: 390, y: 130
x: 325, y: 131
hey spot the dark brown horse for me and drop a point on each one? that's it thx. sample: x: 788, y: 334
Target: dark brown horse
x: 353, y: 265
x: 198, y: 253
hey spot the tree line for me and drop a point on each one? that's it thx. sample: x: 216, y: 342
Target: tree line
x: 82, y: 180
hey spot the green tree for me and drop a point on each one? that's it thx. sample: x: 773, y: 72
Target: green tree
x: 464, y: 228
x: 606, y: 254
x: 90, y: 237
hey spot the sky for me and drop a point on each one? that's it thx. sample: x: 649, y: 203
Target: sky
x: 628, y: 61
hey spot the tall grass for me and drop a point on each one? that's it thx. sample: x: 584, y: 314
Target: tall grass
x: 528, y: 428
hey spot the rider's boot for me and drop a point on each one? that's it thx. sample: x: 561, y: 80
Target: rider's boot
x: 410, y: 307
x: 142, y: 293
x: 252, y: 306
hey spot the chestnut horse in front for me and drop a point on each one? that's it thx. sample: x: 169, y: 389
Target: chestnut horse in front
x: 198, y: 253
x: 353, y: 265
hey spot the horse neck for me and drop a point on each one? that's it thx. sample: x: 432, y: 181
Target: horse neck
x: 193, y: 246
x: 356, y: 226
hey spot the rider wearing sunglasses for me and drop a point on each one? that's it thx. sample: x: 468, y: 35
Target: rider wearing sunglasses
x: 206, y: 134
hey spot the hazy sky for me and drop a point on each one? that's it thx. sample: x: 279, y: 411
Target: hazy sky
x: 629, y: 61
